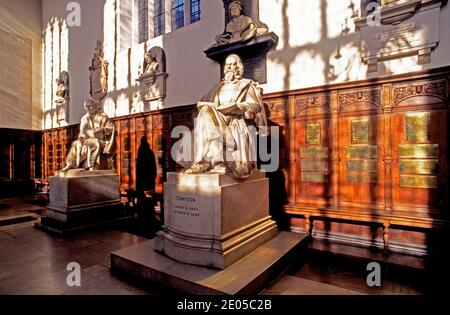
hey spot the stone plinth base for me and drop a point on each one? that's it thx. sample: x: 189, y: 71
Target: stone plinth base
x: 249, y: 275
x: 81, y: 199
x: 214, y: 220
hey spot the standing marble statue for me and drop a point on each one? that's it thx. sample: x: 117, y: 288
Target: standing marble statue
x: 62, y: 91
x: 222, y: 140
x: 240, y: 27
x: 98, y: 76
x: 95, y: 141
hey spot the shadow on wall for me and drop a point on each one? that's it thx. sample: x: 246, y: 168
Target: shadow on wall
x: 332, y: 58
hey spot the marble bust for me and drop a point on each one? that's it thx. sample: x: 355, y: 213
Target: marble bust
x: 151, y: 65
x: 240, y: 27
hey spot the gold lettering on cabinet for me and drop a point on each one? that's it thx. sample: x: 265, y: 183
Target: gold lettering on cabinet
x: 311, y: 153
x: 314, y: 177
x: 360, y: 130
x: 417, y: 127
x: 418, y: 151
x: 417, y: 181
x: 361, y: 151
x: 313, y: 133
x: 419, y: 166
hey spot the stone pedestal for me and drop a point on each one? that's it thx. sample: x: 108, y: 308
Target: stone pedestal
x: 81, y: 199
x: 214, y: 220
x: 153, y: 88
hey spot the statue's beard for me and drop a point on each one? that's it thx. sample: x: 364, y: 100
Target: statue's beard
x: 230, y: 76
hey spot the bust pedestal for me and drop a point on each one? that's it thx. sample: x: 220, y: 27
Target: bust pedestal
x: 80, y: 199
x: 214, y: 220
x: 153, y: 88
x: 253, y: 54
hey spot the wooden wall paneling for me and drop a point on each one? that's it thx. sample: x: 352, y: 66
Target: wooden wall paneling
x: 293, y: 154
x: 125, y: 153
x: 361, y: 146
x: 116, y: 163
x: 158, y: 148
x: 387, y: 159
x: 278, y: 116
x: 277, y: 111
x: 335, y: 158
x: 312, y: 143
x: 424, y: 102
x: 134, y: 144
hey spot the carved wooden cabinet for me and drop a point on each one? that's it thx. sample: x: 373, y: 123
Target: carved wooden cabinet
x: 368, y: 160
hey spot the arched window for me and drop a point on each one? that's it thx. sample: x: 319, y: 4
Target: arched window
x: 56, y: 59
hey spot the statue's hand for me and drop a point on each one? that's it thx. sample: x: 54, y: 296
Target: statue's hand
x: 242, y: 106
x: 98, y: 133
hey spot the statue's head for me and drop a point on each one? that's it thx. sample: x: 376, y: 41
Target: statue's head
x: 148, y: 57
x: 235, y: 8
x: 233, y: 68
x: 91, y: 106
x: 64, y: 77
x: 96, y: 61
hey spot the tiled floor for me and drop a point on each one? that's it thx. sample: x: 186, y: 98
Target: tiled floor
x: 33, y: 262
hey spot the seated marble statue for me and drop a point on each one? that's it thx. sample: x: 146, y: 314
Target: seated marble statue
x: 240, y: 27
x: 222, y: 140
x: 95, y: 141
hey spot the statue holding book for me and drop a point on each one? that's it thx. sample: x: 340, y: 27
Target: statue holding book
x: 222, y: 140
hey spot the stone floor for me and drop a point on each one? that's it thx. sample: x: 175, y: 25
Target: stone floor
x: 33, y: 262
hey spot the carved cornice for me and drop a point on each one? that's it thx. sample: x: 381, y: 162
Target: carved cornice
x: 277, y: 106
x: 372, y: 96
x: 141, y: 123
x: 436, y: 88
x: 304, y: 102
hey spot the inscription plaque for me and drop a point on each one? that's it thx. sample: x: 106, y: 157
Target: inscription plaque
x: 314, y: 153
x: 362, y: 178
x: 361, y: 151
x: 314, y: 166
x: 313, y: 133
x: 417, y: 181
x: 417, y: 127
x: 314, y: 177
x: 360, y: 130
x: 419, y: 166
x: 418, y: 151
x: 185, y: 205
x: 363, y: 166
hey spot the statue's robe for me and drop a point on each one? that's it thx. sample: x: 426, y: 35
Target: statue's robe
x: 96, y: 138
x: 217, y: 130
